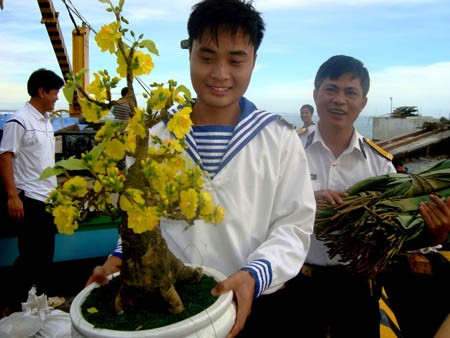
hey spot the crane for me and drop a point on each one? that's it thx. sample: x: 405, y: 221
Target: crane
x: 80, y: 47
x: 50, y: 20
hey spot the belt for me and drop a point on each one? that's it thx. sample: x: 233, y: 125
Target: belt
x: 306, y: 270
x: 310, y: 270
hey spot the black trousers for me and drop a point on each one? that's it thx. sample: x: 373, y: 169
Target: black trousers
x: 271, y: 317
x: 36, y: 245
x: 419, y: 301
x: 331, y: 302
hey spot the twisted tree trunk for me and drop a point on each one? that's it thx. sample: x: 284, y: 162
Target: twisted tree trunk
x: 149, y: 269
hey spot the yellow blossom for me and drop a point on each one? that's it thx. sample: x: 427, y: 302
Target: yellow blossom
x: 130, y: 142
x: 98, y: 186
x: 134, y: 129
x: 180, y: 123
x: 189, y: 203
x: 142, y: 64
x: 207, y: 203
x: 158, y: 98
x: 177, y: 146
x: 125, y: 203
x: 76, y: 186
x: 142, y: 220
x: 136, y: 195
x: 219, y: 213
x: 97, y: 88
x: 113, y: 180
x: 58, y: 197
x: 115, y: 149
x: 121, y: 65
x: 91, y: 112
x: 65, y: 219
x: 176, y: 164
x: 166, y: 182
x: 107, y: 37
x: 100, y: 167
x: 106, y: 132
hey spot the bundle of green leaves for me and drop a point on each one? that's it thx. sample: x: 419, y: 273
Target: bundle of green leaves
x: 379, y: 217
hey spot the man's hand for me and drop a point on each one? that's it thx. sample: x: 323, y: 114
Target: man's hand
x: 243, y: 286
x: 331, y: 196
x: 100, y: 273
x: 437, y: 218
x: 15, y: 208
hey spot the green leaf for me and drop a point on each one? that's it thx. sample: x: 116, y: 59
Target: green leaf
x: 68, y: 93
x: 379, y: 216
x: 150, y: 45
x: 183, y: 89
x: 96, y: 151
x: 72, y: 163
x: 51, y: 171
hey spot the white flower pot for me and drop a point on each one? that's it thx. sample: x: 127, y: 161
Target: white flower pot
x: 215, y: 321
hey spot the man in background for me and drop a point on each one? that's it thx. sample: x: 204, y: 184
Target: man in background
x: 399, y: 166
x: 26, y: 149
x: 121, y: 110
x: 306, y: 114
x: 334, y: 302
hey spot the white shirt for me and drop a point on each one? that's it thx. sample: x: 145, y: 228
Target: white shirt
x: 29, y: 136
x: 264, y: 186
x: 358, y: 162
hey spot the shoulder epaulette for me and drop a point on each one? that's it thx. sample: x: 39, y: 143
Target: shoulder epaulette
x: 302, y: 130
x: 378, y: 149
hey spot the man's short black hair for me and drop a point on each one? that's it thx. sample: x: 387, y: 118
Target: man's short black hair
x: 338, y: 65
x: 124, y: 91
x: 43, y: 78
x: 309, y: 107
x: 210, y: 16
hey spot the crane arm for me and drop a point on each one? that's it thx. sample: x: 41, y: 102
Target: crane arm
x: 50, y: 20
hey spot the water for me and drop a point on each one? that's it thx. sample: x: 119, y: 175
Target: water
x: 363, y: 124
x: 58, y: 123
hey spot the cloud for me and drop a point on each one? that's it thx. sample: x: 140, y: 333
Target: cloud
x: 423, y: 86
x: 297, y: 40
x: 265, y: 5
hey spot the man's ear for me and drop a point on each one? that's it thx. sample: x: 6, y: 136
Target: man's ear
x: 364, y: 102
x: 41, y: 92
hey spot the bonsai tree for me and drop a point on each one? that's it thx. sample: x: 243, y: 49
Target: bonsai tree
x: 160, y: 182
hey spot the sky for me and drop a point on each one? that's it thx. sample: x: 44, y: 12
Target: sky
x: 405, y: 44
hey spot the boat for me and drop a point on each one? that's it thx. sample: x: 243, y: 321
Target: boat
x: 431, y: 139
x: 407, y: 135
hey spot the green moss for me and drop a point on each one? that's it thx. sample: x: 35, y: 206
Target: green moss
x: 196, y: 297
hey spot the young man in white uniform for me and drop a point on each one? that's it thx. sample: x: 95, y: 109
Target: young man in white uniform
x: 259, y: 175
